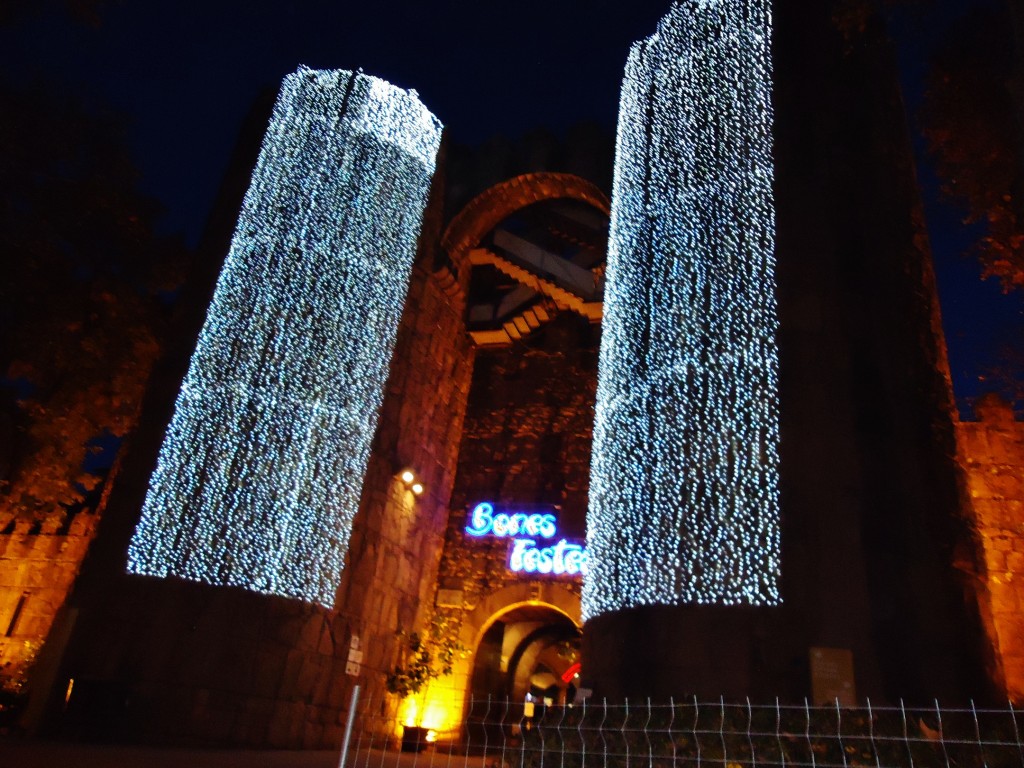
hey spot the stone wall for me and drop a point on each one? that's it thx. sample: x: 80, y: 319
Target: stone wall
x: 391, y: 573
x: 525, y: 445
x: 37, y: 569
x: 529, y: 422
x: 871, y: 506
x: 172, y: 661
x: 992, y: 455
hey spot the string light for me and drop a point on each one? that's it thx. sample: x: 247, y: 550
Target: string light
x: 262, y: 466
x: 684, y: 481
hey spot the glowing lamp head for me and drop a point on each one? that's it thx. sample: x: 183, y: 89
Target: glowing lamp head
x: 417, y: 488
x: 407, y: 476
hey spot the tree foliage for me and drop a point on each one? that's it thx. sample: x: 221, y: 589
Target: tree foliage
x: 970, y: 120
x: 426, y: 657
x: 79, y: 300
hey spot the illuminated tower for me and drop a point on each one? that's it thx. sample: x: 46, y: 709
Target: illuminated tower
x: 684, y: 483
x: 262, y: 466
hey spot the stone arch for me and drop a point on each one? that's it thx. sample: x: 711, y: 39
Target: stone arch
x: 450, y: 696
x: 548, y: 594
x: 553, y: 596
x: 488, y: 209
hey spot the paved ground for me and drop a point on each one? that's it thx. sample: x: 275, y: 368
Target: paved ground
x: 22, y: 754
x: 19, y: 754
x: 37, y: 754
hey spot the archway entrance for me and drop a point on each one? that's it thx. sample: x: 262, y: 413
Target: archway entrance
x: 528, y: 653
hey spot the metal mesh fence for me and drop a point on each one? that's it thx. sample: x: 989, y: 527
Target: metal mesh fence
x: 503, y: 734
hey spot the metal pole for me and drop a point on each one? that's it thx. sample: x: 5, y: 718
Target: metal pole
x: 348, y: 726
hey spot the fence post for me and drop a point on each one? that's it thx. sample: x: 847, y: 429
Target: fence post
x: 348, y: 726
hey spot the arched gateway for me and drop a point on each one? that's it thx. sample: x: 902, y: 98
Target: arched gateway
x: 535, y: 245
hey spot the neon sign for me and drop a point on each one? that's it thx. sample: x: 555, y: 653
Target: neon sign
x: 527, y: 555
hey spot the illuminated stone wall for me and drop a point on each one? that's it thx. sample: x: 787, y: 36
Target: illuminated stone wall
x: 526, y: 444
x: 992, y: 454
x: 37, y: 569
x: 390, y: 580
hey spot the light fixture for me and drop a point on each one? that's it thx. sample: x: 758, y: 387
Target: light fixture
x: 411, y: 481
x: 262, y: 467
x: 684, y: 491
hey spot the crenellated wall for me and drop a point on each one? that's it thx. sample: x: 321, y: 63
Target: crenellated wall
x: 992, y: 456
x: 37, y: 569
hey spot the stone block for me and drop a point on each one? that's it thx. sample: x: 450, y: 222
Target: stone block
x: 1013, y: 669
x: 1010, y: 628
x: 978, y: 488
x: 336, y: 691
x: 333, y: 735
x: 1007, y: 483
x: 35, y: 574
x: 312, y: 629
x: 326, y: 643
x: 312, y: 670
x: 1004, y: 446
x: 297, y: 723
x: 290, y: 676
x: 280, y: 726
x: 312, y: 735
x: 995, y: 561
x: 285, y: 628
x: 1004, y: 596
x: 10, y: 573
x: 268, y: 669
x: 48, y: 547
x: 1015, y: 562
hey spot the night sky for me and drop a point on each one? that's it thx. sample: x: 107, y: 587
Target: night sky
x: 185, y: 74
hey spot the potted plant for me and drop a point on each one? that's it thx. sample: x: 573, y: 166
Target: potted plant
x: 423, y: 657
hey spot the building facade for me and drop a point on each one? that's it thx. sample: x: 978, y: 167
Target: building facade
x: 900, y: 531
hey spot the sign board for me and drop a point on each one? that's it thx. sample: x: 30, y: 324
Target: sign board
x: 354, y: 662
x: 582, y: 694
x: 449, y: 598
x: 832, y: 676
x: 536, y: 546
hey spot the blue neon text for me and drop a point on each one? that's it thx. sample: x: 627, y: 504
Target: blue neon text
x: 483, y: 521
x: 562, y: 558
